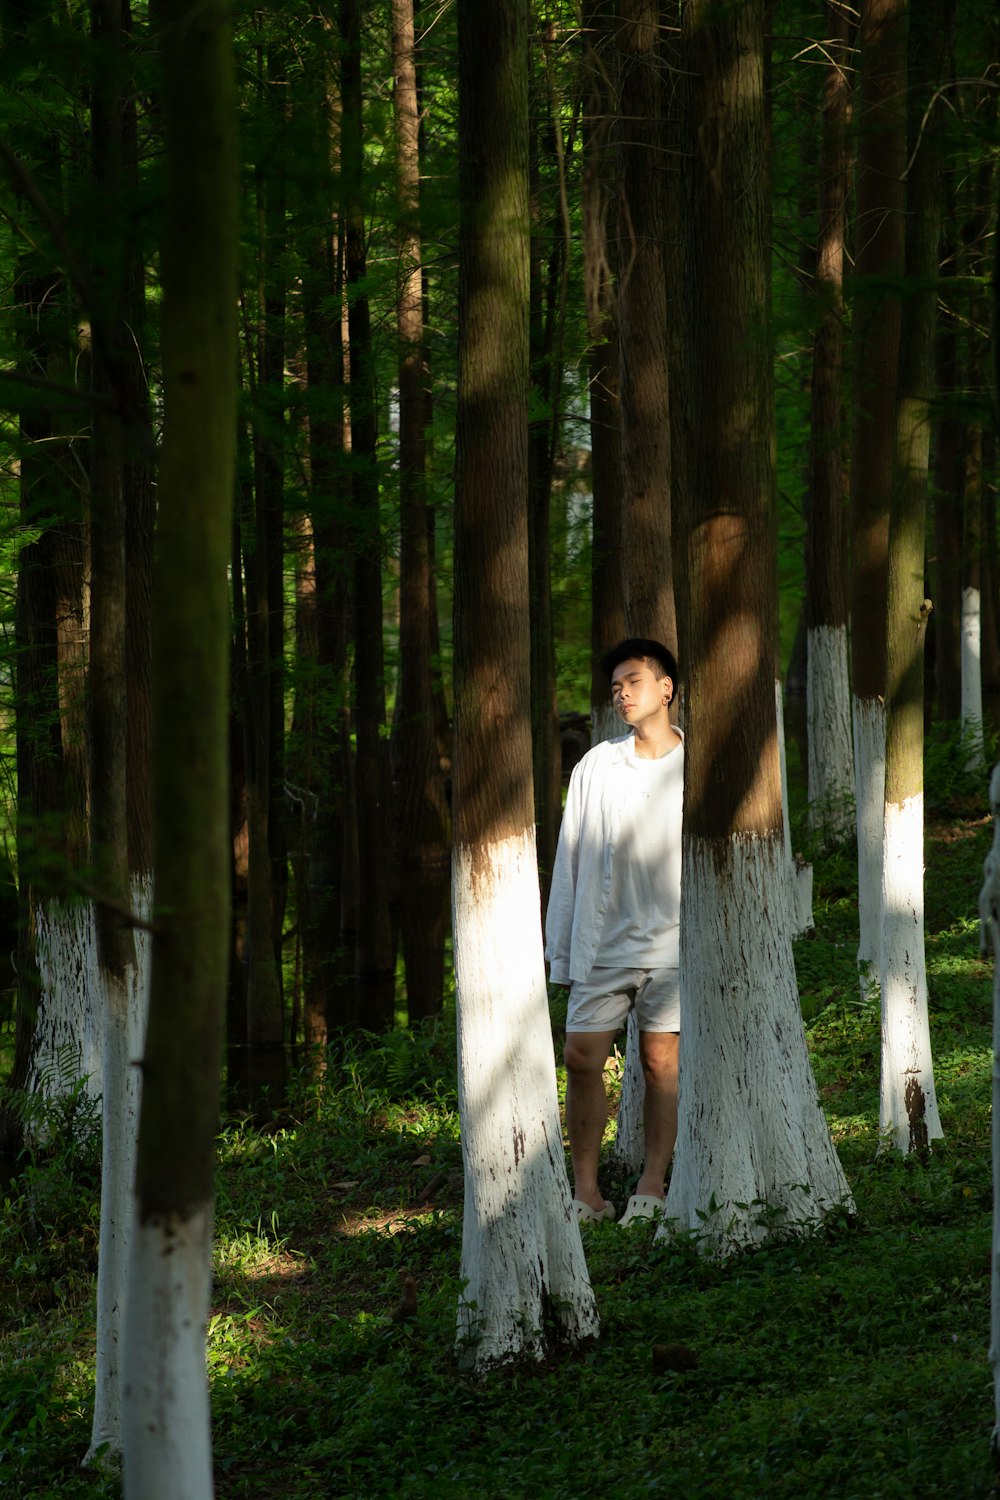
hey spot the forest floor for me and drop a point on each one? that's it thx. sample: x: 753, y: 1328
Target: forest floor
x: 852, y: 1364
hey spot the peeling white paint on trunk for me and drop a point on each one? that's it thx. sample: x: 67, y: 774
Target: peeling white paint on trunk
x: 972, y: 679
x: 629, y: 1147
x: 167, y: 1447
x: 69, y: 1031
x: 869, y: 773
x: 750, y: 1129
x: 126, y: 1006
x: 523, y: 1269
x: 908, y: 1111
x: 828, y: 723
x: 798, y: 875
x: 989, y: 938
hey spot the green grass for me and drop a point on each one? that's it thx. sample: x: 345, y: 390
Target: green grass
x: 853, y: 1364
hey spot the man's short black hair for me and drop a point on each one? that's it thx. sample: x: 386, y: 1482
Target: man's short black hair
x: 659, y: 658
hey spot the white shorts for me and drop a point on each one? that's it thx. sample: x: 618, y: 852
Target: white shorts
x: 602, y: 1001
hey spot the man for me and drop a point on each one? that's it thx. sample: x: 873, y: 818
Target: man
x: 612, y: 927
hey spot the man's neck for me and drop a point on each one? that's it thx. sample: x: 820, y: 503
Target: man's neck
x: 652, y: 741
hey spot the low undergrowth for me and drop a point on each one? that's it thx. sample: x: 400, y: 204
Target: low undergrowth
x: 850, y: 1364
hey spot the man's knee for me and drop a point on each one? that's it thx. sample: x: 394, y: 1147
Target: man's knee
x: 658, y: 1051
x: 585, y: 1053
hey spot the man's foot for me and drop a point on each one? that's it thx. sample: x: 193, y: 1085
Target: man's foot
x: 642, y: 1206
x: 588, y: 1215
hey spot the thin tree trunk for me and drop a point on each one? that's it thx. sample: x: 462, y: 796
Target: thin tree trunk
x: 606, y: 581
x: 908, y: 1112
x: 876, y: 325
x: 167, y: 1442
x: 116, y: 949
x: 642, y: 329
x: 523, y: 1272
x: 828, y: 707
x: 422, y: 805
x: 375, y: 948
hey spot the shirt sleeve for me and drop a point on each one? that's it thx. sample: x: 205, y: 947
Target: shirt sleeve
x: 562, y: 890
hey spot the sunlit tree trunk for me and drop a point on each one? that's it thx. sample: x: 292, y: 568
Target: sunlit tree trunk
x: 908, y: 1113
x: 828, y: 699
x: 743, y: 1166
x: 876, y: 324
x: 422, y: 806
x: 523, y: 1273
x: 167, y: 1449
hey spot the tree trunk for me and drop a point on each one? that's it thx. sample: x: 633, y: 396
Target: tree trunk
x: 642, y: 329
x: 876, y: 324
x: 743, y: 1168
x: 828, y: 706
x: 422, y: 807
x: 523, y: 1271
x: 375, y: 947
x: 946, y: 622
x: 116, y: 950
x: 167, y: 1442
x: 607, y: 593
x: 332, y: 1000
x: 989, y: 938
x: 908, y: 1112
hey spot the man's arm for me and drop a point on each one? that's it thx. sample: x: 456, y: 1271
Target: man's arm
x: 562, y: 891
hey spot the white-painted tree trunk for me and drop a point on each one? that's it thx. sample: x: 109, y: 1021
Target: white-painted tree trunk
x: 166, y: 1413
x: 869, y: 774
x: 754, y: 1156
x: 828, y: 727
x: 798, y: 875
x: 989, y: 938
x: 629, y: 1146
x: 125, y: 1014
x: 972, y: 679
x: 69, y: 1026
x: 523, y: 1269
x: 908, y: 1111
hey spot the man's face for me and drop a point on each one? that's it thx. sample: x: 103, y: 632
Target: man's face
x: 637, y: 694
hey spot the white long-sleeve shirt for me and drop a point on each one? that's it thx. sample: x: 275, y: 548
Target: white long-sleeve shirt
x: 616, y: 884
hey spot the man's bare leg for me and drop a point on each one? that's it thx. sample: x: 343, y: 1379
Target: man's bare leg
x: 585, y: 1054
x: 659, y: 1051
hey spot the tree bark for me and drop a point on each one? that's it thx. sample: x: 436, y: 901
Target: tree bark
x: 742, y: 1167
x: 828, y: 707
x: 876, y: 326
x: 523, y: 1272
x: 166, y: 1433
x: 642, y: 329
x: 117, y: 952
x: 375, y: 946
x: 422, y: 809
x: 606, y: 583
x: 908, y: 1112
